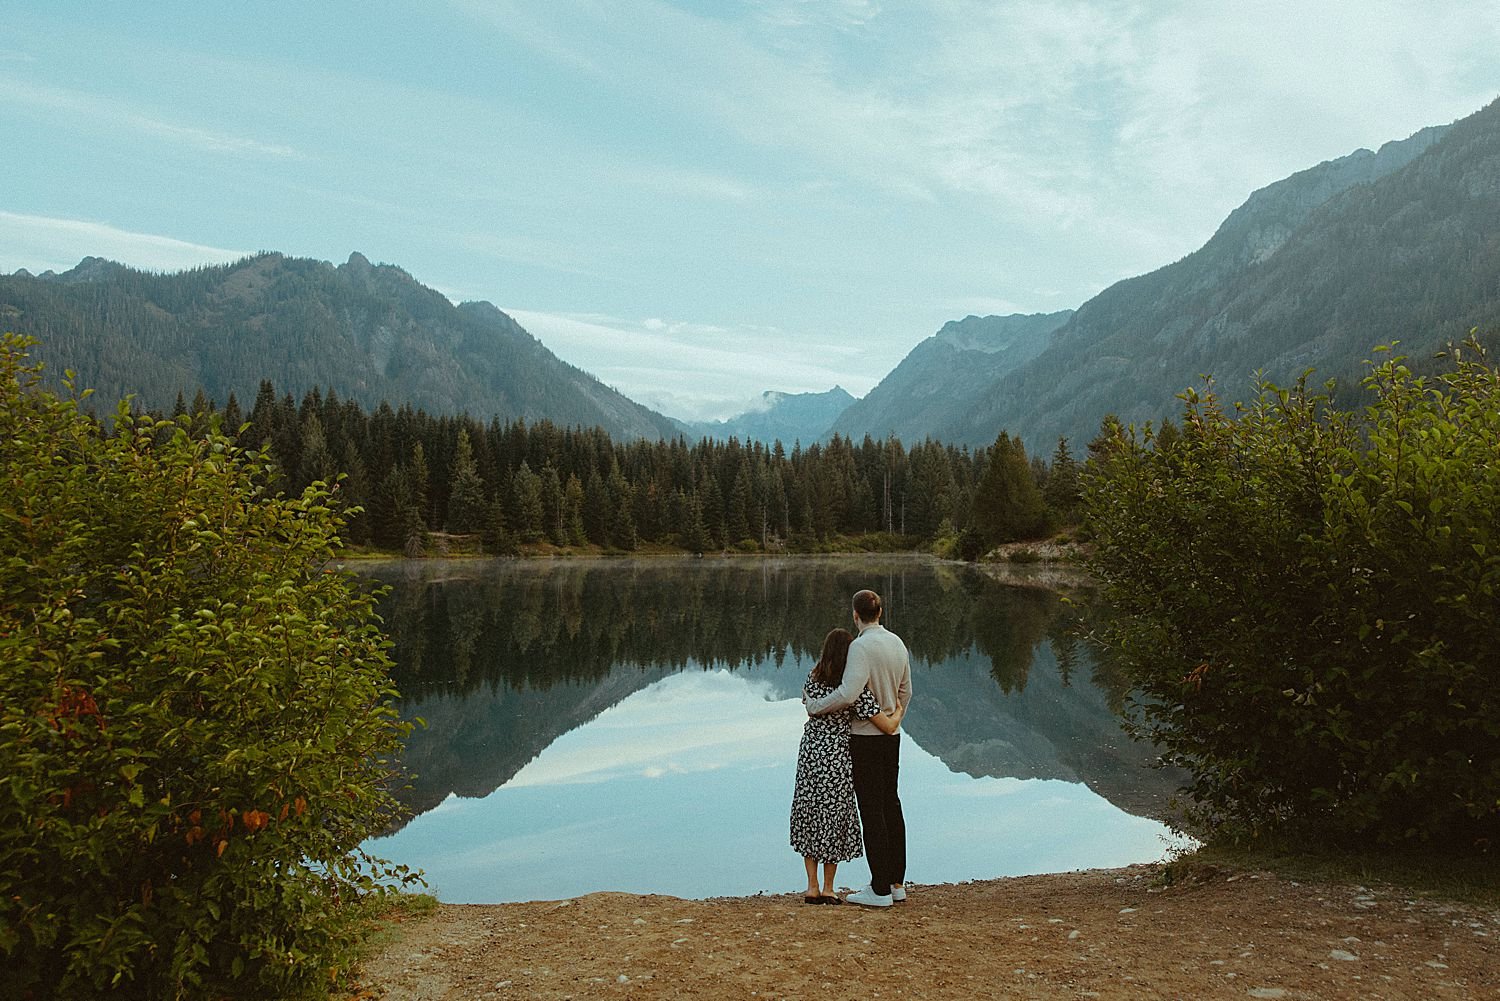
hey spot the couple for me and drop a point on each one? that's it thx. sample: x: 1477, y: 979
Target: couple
x: 850, y: 752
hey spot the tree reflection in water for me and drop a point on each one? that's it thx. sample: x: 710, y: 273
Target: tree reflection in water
x: 502, y: 657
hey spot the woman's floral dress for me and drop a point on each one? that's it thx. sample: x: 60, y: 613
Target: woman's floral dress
x: 825, y: 820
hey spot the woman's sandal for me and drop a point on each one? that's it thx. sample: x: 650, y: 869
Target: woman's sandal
x: 815, y: 900
x: 826, y: 899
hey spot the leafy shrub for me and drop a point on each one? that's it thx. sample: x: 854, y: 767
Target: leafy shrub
x: 970, y: 545
x: 195, y: 717
x: 1307, y: 601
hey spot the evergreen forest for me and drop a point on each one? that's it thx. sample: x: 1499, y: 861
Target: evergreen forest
x: 427, y: 483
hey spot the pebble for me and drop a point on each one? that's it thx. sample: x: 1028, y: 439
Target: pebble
x: 1267, y: 992
x: 1340, y: 954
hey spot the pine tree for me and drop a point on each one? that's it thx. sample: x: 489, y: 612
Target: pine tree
x: 622, y: 518
x: 466, y: 500
x: 695, y: 538
x: 315, y: 463
x: 419, y: 479
x: 1064, y: 490
x: 1007, y: 504
x: 527, y: 487
x: 573, y: 530
x: 596, y: 509
x: 497, y: 538
x: 552, y: 505
x: 737, y: 520
x: 233, y: 417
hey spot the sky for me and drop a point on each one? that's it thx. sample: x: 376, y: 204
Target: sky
x: 700, y: 200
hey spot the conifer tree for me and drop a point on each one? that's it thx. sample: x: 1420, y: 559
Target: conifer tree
x: 737, y: 520
x: 233, y: 417
x: 419, y: 479
x: 552, y: 505
x: 695, y: 537
x: 1064, y: 490
x: 466, y: 501
x: 528, y: 503
x: 596, y: 509
x: 1007, y: 504
x: 622, y: 519
x: 573, y: 530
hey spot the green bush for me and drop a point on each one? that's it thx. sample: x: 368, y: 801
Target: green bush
x: 196, y: 721
x: 1307, y: 601
x: 970, y: 545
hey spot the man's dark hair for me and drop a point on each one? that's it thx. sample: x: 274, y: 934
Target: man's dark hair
x: 867, y: 606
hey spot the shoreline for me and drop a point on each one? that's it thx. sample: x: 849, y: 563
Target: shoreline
x: 1182, y: 929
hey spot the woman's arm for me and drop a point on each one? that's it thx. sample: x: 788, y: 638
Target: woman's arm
x: 889, y: 721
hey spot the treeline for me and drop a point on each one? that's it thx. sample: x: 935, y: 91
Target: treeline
x: 577, y: 621
x: 505, y: 484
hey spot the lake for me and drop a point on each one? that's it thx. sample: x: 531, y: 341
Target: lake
x: 633, y: 725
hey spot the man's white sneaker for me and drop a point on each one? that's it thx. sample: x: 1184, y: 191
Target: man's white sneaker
x: 867, y: 897
x: 898, y: 893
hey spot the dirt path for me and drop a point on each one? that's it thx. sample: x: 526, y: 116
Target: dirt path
x: 1100, y: 934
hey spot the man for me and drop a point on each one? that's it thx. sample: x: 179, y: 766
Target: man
x: 877, y: 658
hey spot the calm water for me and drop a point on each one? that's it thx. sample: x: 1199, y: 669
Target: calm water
x: 633, y: 725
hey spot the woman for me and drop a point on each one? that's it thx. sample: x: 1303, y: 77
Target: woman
x: 825, y: 819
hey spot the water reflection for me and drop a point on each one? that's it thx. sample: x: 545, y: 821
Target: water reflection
x: 600, y: 724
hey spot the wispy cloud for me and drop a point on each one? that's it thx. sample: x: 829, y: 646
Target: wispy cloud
x: 662, y: 730
x: 122, y: 114
x: 39, y: 243
x: 700, y: 371
x: 666, y: 180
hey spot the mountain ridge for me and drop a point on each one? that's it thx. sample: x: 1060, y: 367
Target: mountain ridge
x: 371, y: 332
x: 784, y: 417
x: 913, y: 402
x: 1310, y: 272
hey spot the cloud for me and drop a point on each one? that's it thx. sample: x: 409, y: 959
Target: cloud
x: 679, y: 181
x: 674, y: 727
x: 40, y: 243
x: 52, y: 100
x: 700, y: 371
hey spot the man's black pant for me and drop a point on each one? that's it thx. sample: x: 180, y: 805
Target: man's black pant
x: 877, y: 759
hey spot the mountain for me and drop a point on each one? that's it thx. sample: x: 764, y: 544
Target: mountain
x: 1311, y: 272
x: 959, y: 362
x: 783, y: 417
x: 371, y: 332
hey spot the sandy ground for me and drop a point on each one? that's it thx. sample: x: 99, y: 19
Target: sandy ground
x: 1120, y: 933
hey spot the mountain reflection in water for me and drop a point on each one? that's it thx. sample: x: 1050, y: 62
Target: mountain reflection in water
x: 595, y: 724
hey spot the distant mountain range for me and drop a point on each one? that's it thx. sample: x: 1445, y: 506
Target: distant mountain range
x: 1310, y: 272
x: 371, y: 332
x: 783, y: 417
x: 921, y: 397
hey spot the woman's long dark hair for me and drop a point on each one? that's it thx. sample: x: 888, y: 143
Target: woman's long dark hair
x: 831, y: 663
